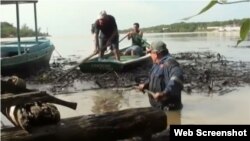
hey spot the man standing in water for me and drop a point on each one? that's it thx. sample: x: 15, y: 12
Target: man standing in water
x: 165, y: 79
x: 107, y: 27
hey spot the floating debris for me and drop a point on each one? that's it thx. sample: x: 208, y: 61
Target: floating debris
x: 205, y: 72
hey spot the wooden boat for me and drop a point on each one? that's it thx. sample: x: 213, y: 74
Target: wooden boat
x: 127, y: 62
x: 24, y: 57
x: 34, y: 55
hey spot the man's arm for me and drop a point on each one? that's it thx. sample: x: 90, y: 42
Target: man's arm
x: 174, y: 85
x: 96, y: 38
x: 145, y: 84
x: 96, y: 42
x: 129, y: 35
x: 93, y: 28
x: 141, y: 34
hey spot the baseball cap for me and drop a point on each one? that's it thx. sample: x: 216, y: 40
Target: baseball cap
x: 158, y: 46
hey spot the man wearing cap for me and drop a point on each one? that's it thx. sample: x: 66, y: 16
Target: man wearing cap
x: 165, y: 79
x: 107, y: 27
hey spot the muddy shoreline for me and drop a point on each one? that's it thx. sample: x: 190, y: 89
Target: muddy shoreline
x: 205, y: 72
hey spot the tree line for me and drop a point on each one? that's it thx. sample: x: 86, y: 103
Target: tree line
x: 188, y: 27
x: 8, y: 30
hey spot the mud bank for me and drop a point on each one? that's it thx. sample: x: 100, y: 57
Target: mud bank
x: 205, y: 72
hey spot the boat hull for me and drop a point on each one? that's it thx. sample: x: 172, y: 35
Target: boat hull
x: 27, y: 63
x: 95, y: 66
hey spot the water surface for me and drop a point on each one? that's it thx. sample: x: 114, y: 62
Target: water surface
x: 199, y: 108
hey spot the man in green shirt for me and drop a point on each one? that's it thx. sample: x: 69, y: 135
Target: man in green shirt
x: 137, y: 43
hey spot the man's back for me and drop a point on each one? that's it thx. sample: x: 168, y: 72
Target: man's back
x: 108, y: 26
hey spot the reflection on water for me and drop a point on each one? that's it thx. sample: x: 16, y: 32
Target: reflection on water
x: 196, y: 36
x: 107, y: 101
x: 233, y: 108
x: 179, y: 37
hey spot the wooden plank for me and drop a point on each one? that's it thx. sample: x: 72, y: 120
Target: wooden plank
x: 142, y: 122
x: 16, y: 95
x: 19, y: 1
x: 42, y: 96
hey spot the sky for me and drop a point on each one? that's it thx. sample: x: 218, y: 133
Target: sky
x: 74, y: 17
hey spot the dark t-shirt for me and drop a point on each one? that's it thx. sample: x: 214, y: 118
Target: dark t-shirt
x: 107, y: 28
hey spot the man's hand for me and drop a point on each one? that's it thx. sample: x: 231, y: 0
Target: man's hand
x: 141, y: 87
x: 148, y: 50
x: 159, y: 96
x: 130, y: 34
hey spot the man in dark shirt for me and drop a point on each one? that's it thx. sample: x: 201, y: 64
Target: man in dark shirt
x: 165, y: 79
x: 106, y: 28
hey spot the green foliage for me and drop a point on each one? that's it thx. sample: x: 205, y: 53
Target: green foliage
x: 8, y: 30
x: 244, y: 30
x: 25, y: 31
x: 211, y: 4
x: 186, y: 27
x: 244, y: 27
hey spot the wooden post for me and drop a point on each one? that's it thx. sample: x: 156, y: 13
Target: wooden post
x: 142, y: 122
x: 18, y: 28
x: 35, y: 17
